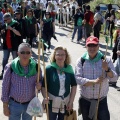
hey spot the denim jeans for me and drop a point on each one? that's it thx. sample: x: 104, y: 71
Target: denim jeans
x: 103, y: 113
x: 117, y: 66
x: 6, y: 54
x: 18, y: 111
x: 55, y: 116
x: 79, y: 35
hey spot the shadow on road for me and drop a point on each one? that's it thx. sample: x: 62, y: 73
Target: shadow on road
x: 60, y: 34
x: 66, y: 29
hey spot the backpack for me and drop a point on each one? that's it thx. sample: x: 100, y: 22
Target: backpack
x: 79, y: 21
x: 91, y: 21
x: 102, y: 19
x: 83, y: 60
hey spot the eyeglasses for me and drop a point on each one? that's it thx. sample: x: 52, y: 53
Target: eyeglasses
x: 92, y: 45
x: 25, y: 52
x: 62, y: 55
x: 5, y: 20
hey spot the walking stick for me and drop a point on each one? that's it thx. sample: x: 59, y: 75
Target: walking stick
x: 106, y: 37
x: 38, y: 76
x: 47, y: 111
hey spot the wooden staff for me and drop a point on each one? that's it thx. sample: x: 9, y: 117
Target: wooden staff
x: 38, y: 76
x: 47, y: 111
x: 101, y: 83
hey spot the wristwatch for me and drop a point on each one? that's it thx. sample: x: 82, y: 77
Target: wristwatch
x: 109, y: 69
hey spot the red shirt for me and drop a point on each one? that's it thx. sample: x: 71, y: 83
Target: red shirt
x: 87, y: 16
x: 8, y: 39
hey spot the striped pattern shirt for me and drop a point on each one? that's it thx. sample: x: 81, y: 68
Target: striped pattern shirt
x: 20, y: 88
x: 91, y: 71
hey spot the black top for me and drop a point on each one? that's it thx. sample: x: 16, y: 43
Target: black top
x: 15, y: 40
x: 22, y: 25
x: 76, y: 17
x: 30, y: 28
x: 48, y: 26
x: 38, y: 13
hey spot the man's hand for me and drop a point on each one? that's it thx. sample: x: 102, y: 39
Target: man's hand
x: 6, y: 111
x: 99, y: 80
x: 38, y: 86
x: 9, y: 27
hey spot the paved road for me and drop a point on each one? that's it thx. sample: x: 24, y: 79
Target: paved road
x: 75, y: 50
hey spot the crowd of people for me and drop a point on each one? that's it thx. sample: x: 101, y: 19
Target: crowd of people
x: 20, y: 25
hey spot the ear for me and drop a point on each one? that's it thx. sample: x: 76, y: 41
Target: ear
x: 18, y: 53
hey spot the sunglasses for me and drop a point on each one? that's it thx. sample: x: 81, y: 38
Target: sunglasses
x: 25, y: 52
x: 92, y: 45
x: 5, y: 20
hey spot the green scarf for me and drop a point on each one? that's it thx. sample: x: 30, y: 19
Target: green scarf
x: 67, y: 69
x: 33, y: 7
x: 47, y: 20
x: 11, y: 23
x: 29, y: 19
x: 96, y: 59
x: 18, y: 69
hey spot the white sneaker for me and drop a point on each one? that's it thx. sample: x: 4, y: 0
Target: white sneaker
x: 71, y: 39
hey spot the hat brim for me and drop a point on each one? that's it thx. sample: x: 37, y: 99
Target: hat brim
x: 91, y: 42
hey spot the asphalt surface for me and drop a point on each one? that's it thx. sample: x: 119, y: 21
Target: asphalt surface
x: 75, y: 51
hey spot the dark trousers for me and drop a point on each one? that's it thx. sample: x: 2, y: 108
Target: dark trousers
x: 47, y: 39
x: 96, y: 33
x: 31, y: 39
x: 97, y: 29
x: 55, y: 116
x: 103, y: 112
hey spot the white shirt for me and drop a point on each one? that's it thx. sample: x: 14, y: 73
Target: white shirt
x: 62, y: 84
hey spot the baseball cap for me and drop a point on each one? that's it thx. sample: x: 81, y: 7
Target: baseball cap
x: 92, y: 40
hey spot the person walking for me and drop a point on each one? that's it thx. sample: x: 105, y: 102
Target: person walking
x: 48, y: 30
x: 19, y: 82
x: 88, y: 21
x: 30, y: 26
x: 97, y: 22
x: 11, y: 34
x: 61, y: 84
x: 78, y: 21
x: 93, y: 69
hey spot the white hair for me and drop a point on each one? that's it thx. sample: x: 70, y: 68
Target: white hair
x: 22, y: 45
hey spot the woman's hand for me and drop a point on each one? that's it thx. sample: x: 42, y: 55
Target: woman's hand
x: 69, y: 106
x: 45, y: 101
x: 38, y: 86
x: 6, y: 111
